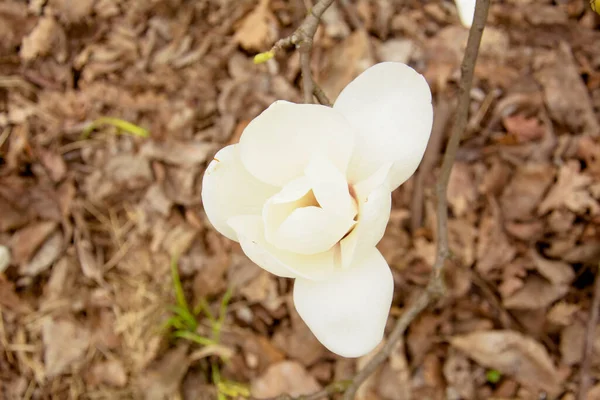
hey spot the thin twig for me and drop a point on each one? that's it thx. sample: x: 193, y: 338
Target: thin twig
x: 302, y: 38
x: 588, y: 348
x: 436, y: 288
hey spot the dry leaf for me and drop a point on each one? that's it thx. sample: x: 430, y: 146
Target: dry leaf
x: 163, y: 378
x: 347, y: 60
x: 525, y: 190
x: 562, y: 313
x: 45, y: 256
x: 571, y: 191
x: 89, y: 266
x: 493, y: 249
x: 459, y: 375
x: 10, y: 217
x: 54, y: 164
x: 110, y: 373
x: 299, y: 342
x: 394, y: 380
x: 46, y: 38
x: 286, y: 377
x: 256, y: 32
x: 25, y: 242
x: 9, y: 298
x: 536, y: 293
x: 525, y: 129
x: 65, y: 343
x: 5, y: 258
x: 462, y: 192
x: 178, y: 153
x: 71, y: 11
x: 514, y: 354
x: 557, y: 272
x: 564, y: 91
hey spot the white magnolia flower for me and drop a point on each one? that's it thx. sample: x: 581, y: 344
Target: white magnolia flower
x: 466, y: 11
x: 307, y: 194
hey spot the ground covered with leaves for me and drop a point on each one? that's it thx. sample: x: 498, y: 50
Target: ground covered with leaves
x: 114, y: 286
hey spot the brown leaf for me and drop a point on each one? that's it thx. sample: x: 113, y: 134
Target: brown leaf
x: 72, y: 11
x: 557, y: 272
x: 163, y: 378
x: 347, y: 60
x: 564, y: 91
x: 5, y: 258
x: 563, y: 313
x: 493, y: 248
x: 536, y: 293
x: 525, y: 129
x: 89, y: 266
x: 589, y: 150
x: 25, y: 242
x: 256, y: 32
x: 571, y: 192
x: 45, y: 256
x: 54, y: 164
x: 459, y: 375
x: 10, y: 216
x: 394, y: 380
x: 47, y: 37
x: 65, y: 343
x: 178, y: 153
x: 462, y: 192
x: 286, y: 377
x: 299, y: 342
x: 110, y: 373
x: 9, y: 298
x: 513, y: 354
x: 525, y: 190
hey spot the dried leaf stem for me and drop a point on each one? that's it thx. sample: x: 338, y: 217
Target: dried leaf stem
x: 436, y: 288
x: 302, y: 39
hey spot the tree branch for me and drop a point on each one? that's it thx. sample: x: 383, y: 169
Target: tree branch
x: 436, y: 288
x: 302, y: 38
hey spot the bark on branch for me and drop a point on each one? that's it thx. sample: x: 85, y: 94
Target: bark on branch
x: 302, y: 39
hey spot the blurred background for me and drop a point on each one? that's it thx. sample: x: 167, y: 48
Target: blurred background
x: 110, y: 111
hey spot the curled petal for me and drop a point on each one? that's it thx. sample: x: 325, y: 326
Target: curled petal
x: 228, y: 189
x: 390, y: 106
x: 374, y: 215
x: 310, y: 230
x: 278, y: 144
x: 348, y: 311
x: 250, y: 231
x: 330, y: 188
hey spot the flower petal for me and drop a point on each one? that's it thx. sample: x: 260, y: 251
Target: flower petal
x: 374, y: 215
x: 250, y: 231
x: 348, y: 311
x: 278, y: 144
x: 330, y: 188
x: 390, y: 106
x: 466, y: 11
x: 228, y: 189
x: 311, y: 230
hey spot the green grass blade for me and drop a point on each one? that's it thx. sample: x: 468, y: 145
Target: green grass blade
x: 186, y: 317
x: 194, y: 337
x: 179, y: 296
x: 120, y: 124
